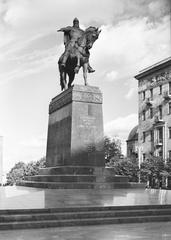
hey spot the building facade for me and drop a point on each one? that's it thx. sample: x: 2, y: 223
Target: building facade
x: 132, y: 143
x: 154, y: 108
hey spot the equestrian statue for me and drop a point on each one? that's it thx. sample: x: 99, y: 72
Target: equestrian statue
x: 76, y: 55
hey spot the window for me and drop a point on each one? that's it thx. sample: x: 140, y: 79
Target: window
x: 143, y: 136
x: 152, y: 136
x: 143, y: 115
x: 160, y: 135
x: 143, y: 156
x: 169, y: 109
x: 169, y: 154
x: 151, y: 112
x: 160, y: 89
x: 143, y: 95
x: 170, y: 132
x: 161, y: 153
x: 160, y: 112
x: 151, y: 94
x: 169, y: 88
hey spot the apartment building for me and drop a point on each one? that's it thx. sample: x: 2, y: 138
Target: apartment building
x: 154, y: 109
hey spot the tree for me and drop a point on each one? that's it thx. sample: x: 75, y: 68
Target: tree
x: 155, y: 170
x: 152, y: 166
x: 21, y: 170
x: 112, y: 148
x: 16, y: 173
x: 32, y: 168
x: 126, y: 167
x: 115, y: 159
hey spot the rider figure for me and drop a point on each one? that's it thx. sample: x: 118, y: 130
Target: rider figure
x: 71, y: 35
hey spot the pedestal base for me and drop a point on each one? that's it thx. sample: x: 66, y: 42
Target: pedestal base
x: 78, y: 177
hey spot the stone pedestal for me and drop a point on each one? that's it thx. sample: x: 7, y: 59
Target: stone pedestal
x: 75, y: 151
x: 75, y: 131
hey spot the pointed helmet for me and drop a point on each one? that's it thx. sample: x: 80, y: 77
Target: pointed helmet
x: 75, y: 20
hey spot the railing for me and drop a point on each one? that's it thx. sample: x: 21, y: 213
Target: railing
x: 159, y: 142
x: 157, y: 119
x: 148, y: 102
x: 166, y: 96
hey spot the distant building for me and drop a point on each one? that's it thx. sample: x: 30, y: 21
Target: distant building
x: 1, y: 161
x: 154, y: 109
x: 132, y: 143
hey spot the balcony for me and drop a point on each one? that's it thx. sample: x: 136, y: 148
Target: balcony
x: 157, y: 120
x: 166, y: 96
x: 159, y: 142
x: 148, y: 102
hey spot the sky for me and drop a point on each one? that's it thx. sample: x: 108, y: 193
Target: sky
x: 135, y: 34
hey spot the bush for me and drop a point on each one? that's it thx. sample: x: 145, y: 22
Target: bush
x: 126, y: 167
x: 21, y: 170
x: 152, y: 167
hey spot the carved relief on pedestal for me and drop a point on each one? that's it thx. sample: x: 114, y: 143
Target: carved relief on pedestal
x: 58, y: 103
x: 87, y: 97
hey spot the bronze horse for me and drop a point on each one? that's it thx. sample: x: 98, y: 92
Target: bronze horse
x: 78, y: 57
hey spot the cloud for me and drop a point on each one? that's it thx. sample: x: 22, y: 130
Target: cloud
x: 121, y: 127
x: 121, y: 124
x: 129, y: 43
x: 29, y: 63
x: 132, y: 88
x: 28, y: 150
x: 34, y: 142
x: 128, y: 47
x: 38, y: 16
x: 158, y: 9
x: 112, y: 76
x: 17, y: 12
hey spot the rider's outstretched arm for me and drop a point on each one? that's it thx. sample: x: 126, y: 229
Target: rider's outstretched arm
x: 65, y: 29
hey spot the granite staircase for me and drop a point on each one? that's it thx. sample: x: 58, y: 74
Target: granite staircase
x: 77, y: 216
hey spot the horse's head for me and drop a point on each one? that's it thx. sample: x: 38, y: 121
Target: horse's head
x: 92, y: 35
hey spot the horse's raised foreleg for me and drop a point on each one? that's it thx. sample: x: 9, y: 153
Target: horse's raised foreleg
x: 85, y: 67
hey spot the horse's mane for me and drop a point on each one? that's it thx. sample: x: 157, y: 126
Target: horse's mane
x: 90, y: 29
x: 87, y: 31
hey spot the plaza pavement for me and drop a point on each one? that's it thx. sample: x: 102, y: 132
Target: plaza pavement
x: 15, y: 197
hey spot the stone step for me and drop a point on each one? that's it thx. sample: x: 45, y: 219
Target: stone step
x: 75, y: 185
x: 81, y: 215
x: 92, y: 159
x: 85, y: 209
x: 81, y: 222
x: 75, y: 178
x: 87, y: 170
x: 81, y: 170
x: 62, y: 178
